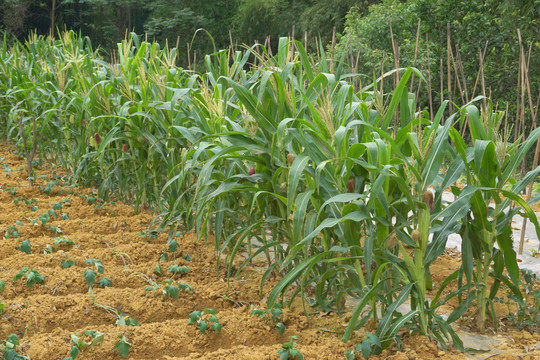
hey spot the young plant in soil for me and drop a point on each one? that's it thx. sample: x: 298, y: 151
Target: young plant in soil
x: 175, y: 269
x: 122, y: 319
x: 60, y: 240
x: 25, y: 247
x: 90, y: 275
x: 527, y: 314
x: 9, y: 348
x: 122, y: 346
x: 273, y: 316
x: 201, y: 319
x: 32, y: 276
x: 12, y: 232
x: 170, y: 290
x: 79, y: 344
x: 288, y: 352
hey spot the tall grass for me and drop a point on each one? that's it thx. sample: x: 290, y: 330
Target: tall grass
x: 338, y: 188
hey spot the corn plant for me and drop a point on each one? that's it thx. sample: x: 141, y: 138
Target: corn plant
x: 490, y: 164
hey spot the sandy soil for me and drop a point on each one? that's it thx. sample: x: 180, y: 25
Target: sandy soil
x: 45, y: 316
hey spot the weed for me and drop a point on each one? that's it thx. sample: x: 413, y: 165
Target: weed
x: 32, y: 276
x: 288, y: 351
x: 527, y: 316
x: 201, y: 319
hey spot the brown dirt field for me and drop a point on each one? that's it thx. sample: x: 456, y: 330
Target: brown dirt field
x: 44, y: 316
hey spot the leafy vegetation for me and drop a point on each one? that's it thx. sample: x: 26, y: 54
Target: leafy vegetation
x: 338, y: 187
x: 204, y: 318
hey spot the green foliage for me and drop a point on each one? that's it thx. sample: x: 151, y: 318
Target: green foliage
x: 337, y: 187
x: 203, y: 319
x: 288, y: 352
x: 122, y: 346
x: 9, y: 348
x: 32, y: 276
x: 25, y: 246
x: 82, y: 341
x: 273, y: 316
x: 175, y: 269
x: 527, y: 314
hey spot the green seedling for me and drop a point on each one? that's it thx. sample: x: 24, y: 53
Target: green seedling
x: 80, y: 344
x: 9, y: 348
x: 173, y: 246
x: 12, y: 232
x: 122, y: 319
x: 67, y: 263
x: 55, y: 229
x: 64, y: 216
x: 273, y: 316
x: 105, y: 282
x: 57, y: 206
x: 48, y: 188
x: 370, y: 345
x: 153, y: 284
x: 175, y: 269
x: 19, y: 223
x: 152, y: 234
x: 22, y: 199
x: 170, y: 290
x: 288, y: 352
x: 97, y: 263
x: 527, y: 314
x: 2, y: 308
x: 11, y: 190
x: 90, y: 277
x: 34, y: 208
x: 187, y: 257
x: 66, y: 201
x: 48, y: 249
x: 32, y: 277
x: 122, y: 346
x: 90, y: 200
x: 60, y: 240
x: 52, y: 213
x: 201, y: 319
x: 158, y: 270
x: 44, y: 218
x: 25, y: 246
x: 2, y: 285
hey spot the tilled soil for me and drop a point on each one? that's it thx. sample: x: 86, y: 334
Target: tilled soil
x: 44, y: 316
